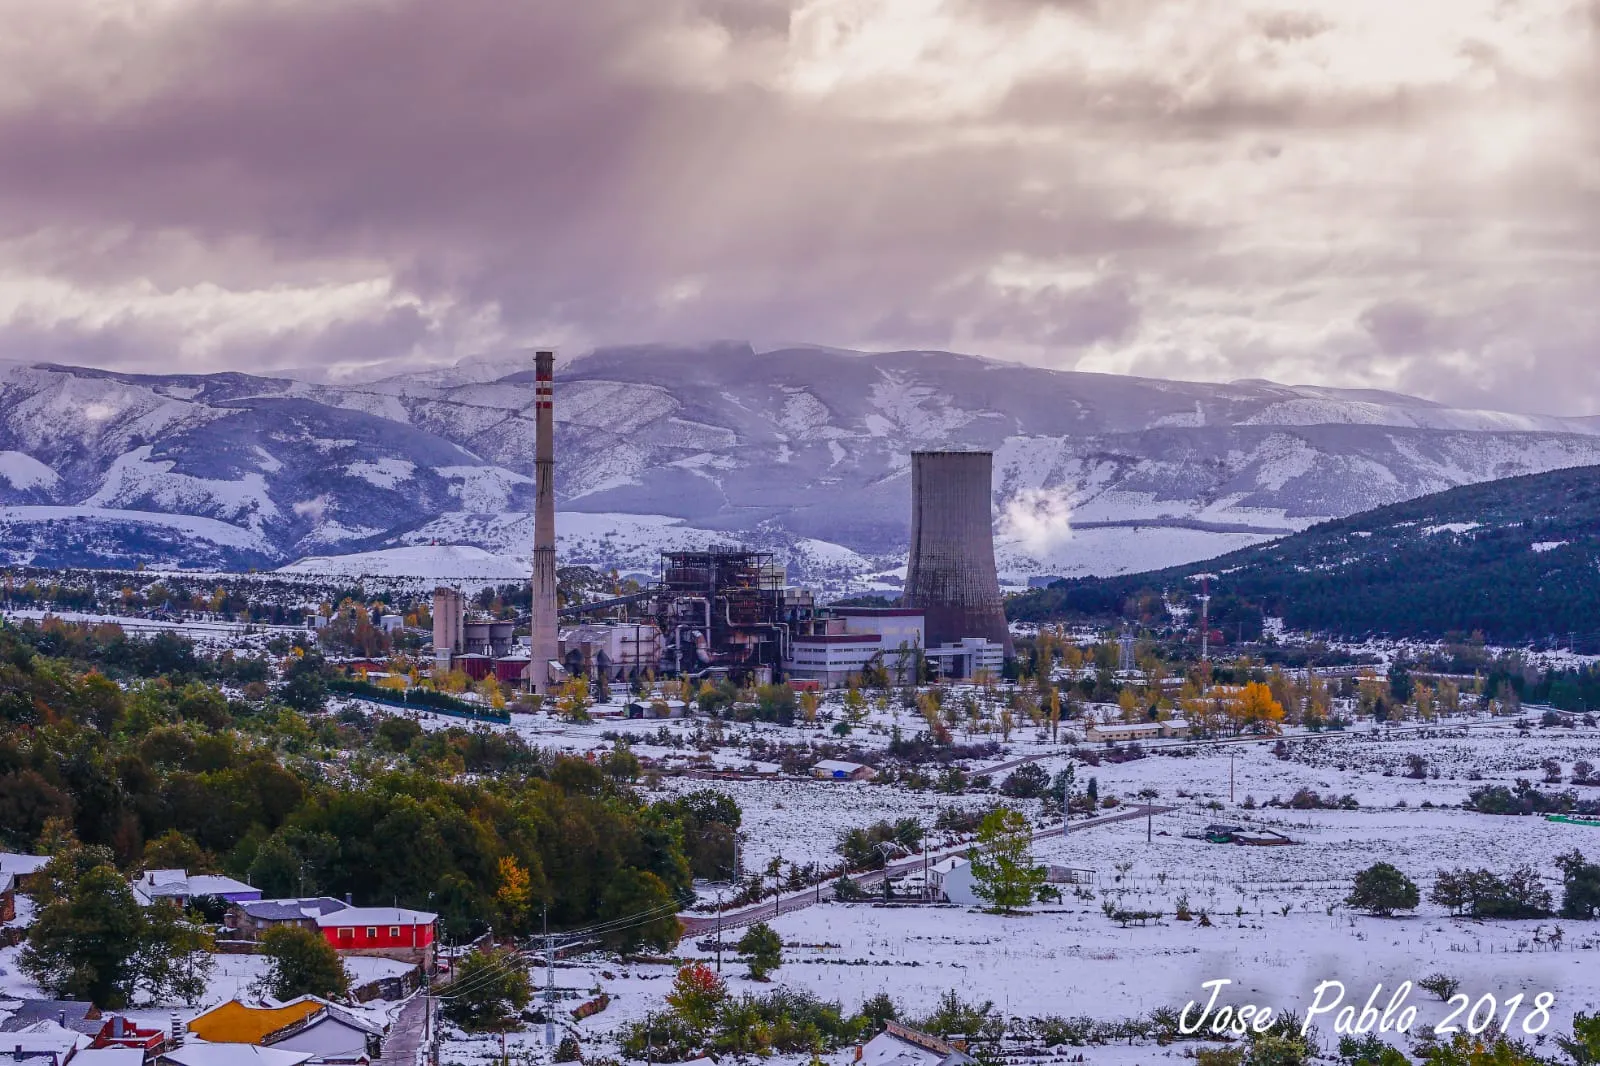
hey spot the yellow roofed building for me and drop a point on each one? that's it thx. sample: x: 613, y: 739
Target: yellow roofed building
x: 235, y: 1023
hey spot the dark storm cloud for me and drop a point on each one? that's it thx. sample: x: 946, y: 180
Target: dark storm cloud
x: 402, y: 177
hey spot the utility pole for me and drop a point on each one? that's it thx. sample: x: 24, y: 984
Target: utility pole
x: 1231, y: 754
x: 549, y: 981
x: 719, y: 930
x: 1149, y: 823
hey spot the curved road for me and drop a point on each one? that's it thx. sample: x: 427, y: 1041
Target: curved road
x: 696, y: 924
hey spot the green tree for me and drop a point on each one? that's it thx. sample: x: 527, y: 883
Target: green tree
x: 493, y: 987
x: 1382, y: 889
x: 175, y: 954
x: 94, y: 941
x: 1581, y: 882
x: 1003, y: 870
x: 1583, y: 1046
x: 301, y: 962
x: 762, y: 950
x: 83, y: 945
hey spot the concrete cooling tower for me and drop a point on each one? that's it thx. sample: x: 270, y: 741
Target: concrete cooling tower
x: 951, y: 576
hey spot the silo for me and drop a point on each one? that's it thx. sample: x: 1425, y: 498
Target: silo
x: 951, y: 575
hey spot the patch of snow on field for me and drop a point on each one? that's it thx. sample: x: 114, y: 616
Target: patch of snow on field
x: 382, y: 473
x: 23, y: 471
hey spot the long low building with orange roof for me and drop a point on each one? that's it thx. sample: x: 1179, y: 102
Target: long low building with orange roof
x: 235, y: 1023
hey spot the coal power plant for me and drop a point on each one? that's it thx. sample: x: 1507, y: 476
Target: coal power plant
x: 726, y: 612
x: 951, y: 575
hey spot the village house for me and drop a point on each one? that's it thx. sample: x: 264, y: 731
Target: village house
x: 179, y: 886
x: 24, y: 869
x: 201, y: 1054
x: 901, y: 1045
x: 119, y: 1032
x: 951, y: 879
x: 309, y: 1024
x: 78, y: 1015
x: 109, y: 1056
x: 236, y: 1023
x: 393, y: 932
x: 251, y: 919
x: 839, y: 770
x: 333, y: 1036
x: 41, y: 1044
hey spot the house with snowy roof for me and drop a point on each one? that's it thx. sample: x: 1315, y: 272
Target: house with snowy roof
x: 202, y: 1054
x: 393, y: 932
x: 252, y: 918
x: 238, y: 1023
x: 335, y: 1037
x: 901, y: 1045
x: 109, y: 1056
x: 180, y: 887
x: 308, y: 1024
x: 840, y: 770
x: 24, y: 869
x: 42, y: 1044
x: 79, y: 1015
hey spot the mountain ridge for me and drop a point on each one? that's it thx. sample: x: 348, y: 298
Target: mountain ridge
x: 776, y: 449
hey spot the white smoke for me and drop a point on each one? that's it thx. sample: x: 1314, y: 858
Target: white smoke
x: 1038, y: 521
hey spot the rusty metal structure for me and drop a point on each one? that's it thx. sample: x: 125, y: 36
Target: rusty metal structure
x: 721, y: 612
x: 951, y: 576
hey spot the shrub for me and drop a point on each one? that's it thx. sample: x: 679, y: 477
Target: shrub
x: 1441, y: 985
x: 1382, y: 889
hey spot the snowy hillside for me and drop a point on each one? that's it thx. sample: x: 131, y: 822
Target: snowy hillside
x: 804, y: 451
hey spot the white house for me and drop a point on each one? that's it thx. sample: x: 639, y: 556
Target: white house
x: 200, y: 1053
x: 332, y: 1036
x: 952, y: 879
x: 180, y: 886
x: 901, y: 1045
x: 109, y: 1056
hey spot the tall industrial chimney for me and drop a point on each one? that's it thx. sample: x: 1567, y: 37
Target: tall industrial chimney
x: 544, y: 644
x: 951, y: 576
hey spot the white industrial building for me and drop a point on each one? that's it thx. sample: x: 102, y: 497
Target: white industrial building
x: 851, y: 639
x: 618, y: 651
x: 963, y: 660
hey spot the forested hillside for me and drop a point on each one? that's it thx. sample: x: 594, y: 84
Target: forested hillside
x: 1517, y: 560
x: 198, y: 763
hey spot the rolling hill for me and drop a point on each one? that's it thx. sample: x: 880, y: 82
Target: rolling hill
x: 1517, y: 560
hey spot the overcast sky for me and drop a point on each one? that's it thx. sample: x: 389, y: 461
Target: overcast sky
x: 1394, y: 193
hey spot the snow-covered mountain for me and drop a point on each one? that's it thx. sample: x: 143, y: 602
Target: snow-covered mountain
x: 804, y: 450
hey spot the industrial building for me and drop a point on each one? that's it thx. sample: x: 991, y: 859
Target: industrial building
x: 620, y: 652
x: 722, y: 612
x: 951, y: 574
x: 846, y: 641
